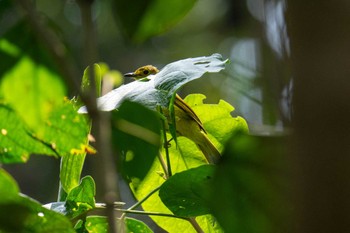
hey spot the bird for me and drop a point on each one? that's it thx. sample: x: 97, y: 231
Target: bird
x: 187, y: 122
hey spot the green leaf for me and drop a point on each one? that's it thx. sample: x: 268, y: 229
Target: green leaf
x: 159, y: 89
x: 8, y: 185
x: 136, y: 134
x: 81, y: 198
x: 186, y: 155
x: 85, y: 83
x: 16, y: 141
x: 136, y: 226
x: 19, y: 213
x: 251, y: 186
x: 97, y: 224
x: 31, y: 88
x: 68, y: 131
x: 185, y: 193
x: 217, y: 118
x: 65, y: 130
x: 145, y: 19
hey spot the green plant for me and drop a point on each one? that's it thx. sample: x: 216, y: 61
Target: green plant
x: 63, y: 132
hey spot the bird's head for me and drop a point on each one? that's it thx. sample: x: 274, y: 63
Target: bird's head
x: 142, y: 72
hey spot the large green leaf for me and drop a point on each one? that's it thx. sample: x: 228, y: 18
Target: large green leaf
x: 159, y: 88
x: 16, y: 141
x: 250, y: 186
x: 186, y: 155
x: 185, y: 193
x: 30, y: 88
x: 136, y: 134
x: 144, y: 19
x: 19, y: 213
x: 63, y: 132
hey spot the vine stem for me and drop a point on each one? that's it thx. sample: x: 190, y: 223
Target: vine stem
x: 142, y: 200
x: 168, y: 170
x: 195, y: 225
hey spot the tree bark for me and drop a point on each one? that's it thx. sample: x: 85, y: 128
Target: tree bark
x: 320, y: 48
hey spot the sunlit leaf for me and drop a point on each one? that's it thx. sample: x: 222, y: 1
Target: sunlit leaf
x: 217, y: 118
x: 19, y: 213
x: 190, y: 157
x: 136, y: 226
x: 145, y: 19
x: 65, y: 130
x: 81, y: 198
x: 16, y: 141
x: 31, y: 89
x: 98, y: 224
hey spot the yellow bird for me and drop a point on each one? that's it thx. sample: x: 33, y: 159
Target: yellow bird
x: 188, y: 123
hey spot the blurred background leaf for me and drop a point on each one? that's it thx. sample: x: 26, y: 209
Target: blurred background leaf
x: 28, y: 84
x: 250, y: 188
x: 143, y: 19
x: 19, y: 213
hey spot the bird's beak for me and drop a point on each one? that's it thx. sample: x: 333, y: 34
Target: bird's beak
x: 130, y: 75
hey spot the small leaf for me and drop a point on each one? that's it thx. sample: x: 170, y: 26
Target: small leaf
x: 81, y: 198
x: 136, y: 226
x: 184, y: 193
x: 98, y: 224
x: 85, y: 83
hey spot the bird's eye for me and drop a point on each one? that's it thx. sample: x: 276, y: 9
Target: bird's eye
x: 145, y: 72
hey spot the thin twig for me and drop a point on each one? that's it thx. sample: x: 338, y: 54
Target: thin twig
x: 144, y: 199
x: 150, y: 213
x: 195, y: 225
x: 168, y: 171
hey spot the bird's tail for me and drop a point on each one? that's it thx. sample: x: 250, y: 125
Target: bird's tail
x: 210, y: 152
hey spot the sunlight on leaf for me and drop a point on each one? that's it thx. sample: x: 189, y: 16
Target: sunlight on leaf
x: 191, y: 157
x: 98, y: 224
x: 16, y: 141
x: 32, y: 90
x: 81, y: 198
